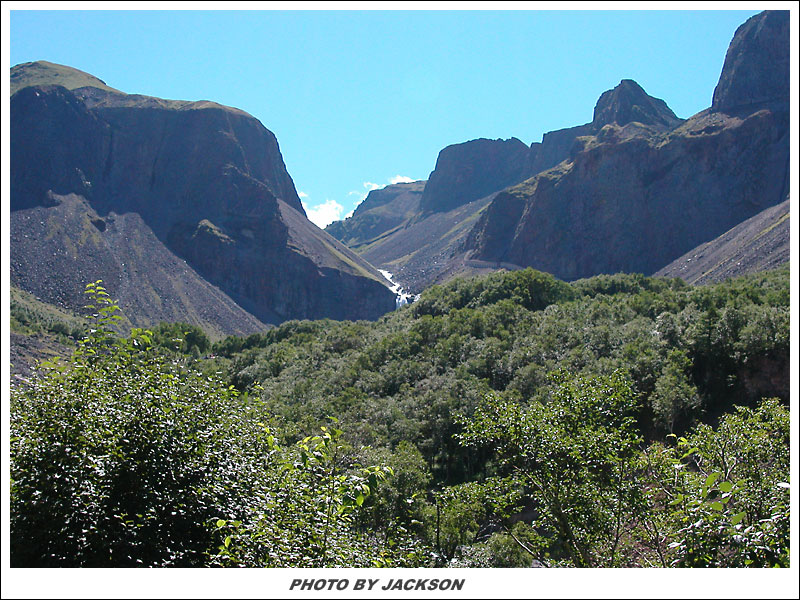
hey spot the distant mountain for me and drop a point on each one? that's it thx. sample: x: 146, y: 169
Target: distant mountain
x: 429, y: 245
x: 472, y: 170
x: 632, y: 190
x: 759, y: 244
x: 185, y: 209
x: 633, y: 197
x: 381, y: 212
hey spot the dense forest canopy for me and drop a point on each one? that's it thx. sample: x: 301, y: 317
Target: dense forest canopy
x: 502, y: 421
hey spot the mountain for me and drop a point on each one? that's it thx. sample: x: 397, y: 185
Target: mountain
x: 472, y: 170
x: 380, y: 213
x: 758, y: 244
x: 638, y: 195
x: 756, y: 68
x: 429, y: 245
x: 184, y: 209
x: 631, y: 190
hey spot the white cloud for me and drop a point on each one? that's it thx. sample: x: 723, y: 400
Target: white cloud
x: 329, y: 211
x: 369, y: 186
x: 324, y: 214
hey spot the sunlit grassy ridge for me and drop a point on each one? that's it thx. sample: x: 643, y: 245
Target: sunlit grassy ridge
x: 43, y: 72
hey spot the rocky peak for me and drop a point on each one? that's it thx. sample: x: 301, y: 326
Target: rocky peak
x: 756, y: 67
x: 627, y: 103
x: 472, y: 170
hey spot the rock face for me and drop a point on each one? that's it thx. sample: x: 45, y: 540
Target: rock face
x: 628, y: 103
x: 756, y: 66
x: 207, y: 182
x: 625, y: 105
x: 636, y: 195
x: 472, y: 170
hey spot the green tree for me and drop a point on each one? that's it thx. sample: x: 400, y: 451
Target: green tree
x: 725, y: 491
x: 574, y: 456
x: 120, y: 458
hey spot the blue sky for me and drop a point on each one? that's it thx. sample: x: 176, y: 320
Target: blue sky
x: 358, y: 99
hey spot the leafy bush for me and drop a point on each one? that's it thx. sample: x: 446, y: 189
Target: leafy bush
x: 574, y: 456
x: 726, y: 491
x: 305, y: 515
x: 120, y: 458
x: 123, y: 457
x: 528, y: 288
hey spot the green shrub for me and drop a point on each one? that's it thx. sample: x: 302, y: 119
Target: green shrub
x: 121, y: 458
x: 575, y: 457
x: 725, y: 491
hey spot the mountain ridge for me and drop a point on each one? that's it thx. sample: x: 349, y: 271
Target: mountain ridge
x: 209, y: 186
x: 631, y: 190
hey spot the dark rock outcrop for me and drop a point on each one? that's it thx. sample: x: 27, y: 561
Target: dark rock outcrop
x: 636, y: 195
x: 472, y: 170
x: 756, y: 65
x: 625, y: 105
x: 208, y: 183
x: 628, y: 103
x: 554, y: 147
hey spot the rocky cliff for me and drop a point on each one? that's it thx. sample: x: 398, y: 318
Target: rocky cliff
x: 756, y: 67
x: 430, y: 245
x: 643, y: 187
x: 472, y: 170
x: 195, y: 181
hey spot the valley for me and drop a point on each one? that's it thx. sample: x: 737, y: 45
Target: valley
x: 569, y: 353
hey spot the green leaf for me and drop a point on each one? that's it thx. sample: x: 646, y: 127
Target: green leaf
x: 725, y: 486
x: 736, y: 519
x: 690, y: 452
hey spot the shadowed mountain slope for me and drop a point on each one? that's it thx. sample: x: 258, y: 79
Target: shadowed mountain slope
x: 196, y: 190
x: 760, y: 243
